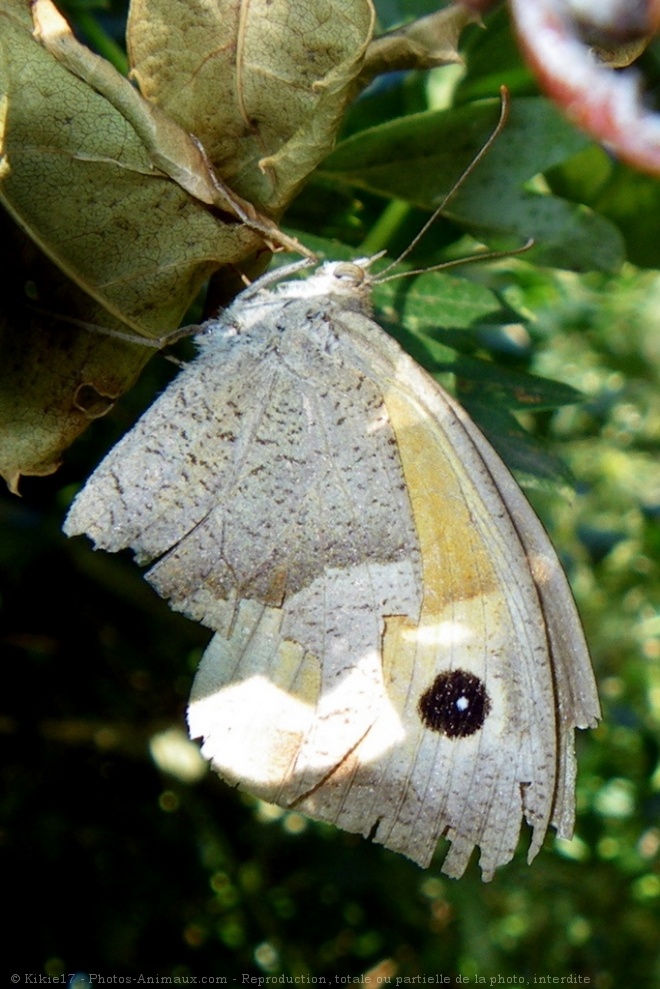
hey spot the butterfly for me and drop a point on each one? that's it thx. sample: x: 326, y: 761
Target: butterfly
x: 396, y: 649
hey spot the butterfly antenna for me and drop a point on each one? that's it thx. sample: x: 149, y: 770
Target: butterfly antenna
x: 505, y: 103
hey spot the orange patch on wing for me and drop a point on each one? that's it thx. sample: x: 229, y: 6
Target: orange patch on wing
x: 455, y: 559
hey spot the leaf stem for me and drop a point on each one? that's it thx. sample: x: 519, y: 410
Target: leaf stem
x: 385, y: 227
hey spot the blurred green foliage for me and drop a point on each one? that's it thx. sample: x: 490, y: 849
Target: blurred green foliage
x: 114, y: 866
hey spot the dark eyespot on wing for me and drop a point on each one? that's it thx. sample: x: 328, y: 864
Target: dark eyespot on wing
x: 456, y: 704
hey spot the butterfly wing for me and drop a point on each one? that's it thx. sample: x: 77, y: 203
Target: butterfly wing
x: 491, y: 681
x: 396, y: 648
x: 478, y: 694
x: 265, y: 488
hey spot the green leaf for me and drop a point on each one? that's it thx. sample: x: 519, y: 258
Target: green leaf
x: 632, y: 201
x: 420, y: 157
x: 518, y: 390
x: 625, y: 197
x: 522, y: 452
x: 436, y: 299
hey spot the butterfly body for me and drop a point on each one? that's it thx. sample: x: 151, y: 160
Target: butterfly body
x: 396, y: 649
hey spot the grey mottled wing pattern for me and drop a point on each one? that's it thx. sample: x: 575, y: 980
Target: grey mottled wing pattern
x: 268, y: 471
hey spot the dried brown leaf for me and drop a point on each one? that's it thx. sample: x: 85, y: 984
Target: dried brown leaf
x: 54, y: 378
x: 262, y: 84
x: 170, y: 148
x: 130, y: 245
x: 423, y: 44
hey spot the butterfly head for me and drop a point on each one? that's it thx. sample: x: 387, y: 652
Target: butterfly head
x: 344, y: 280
